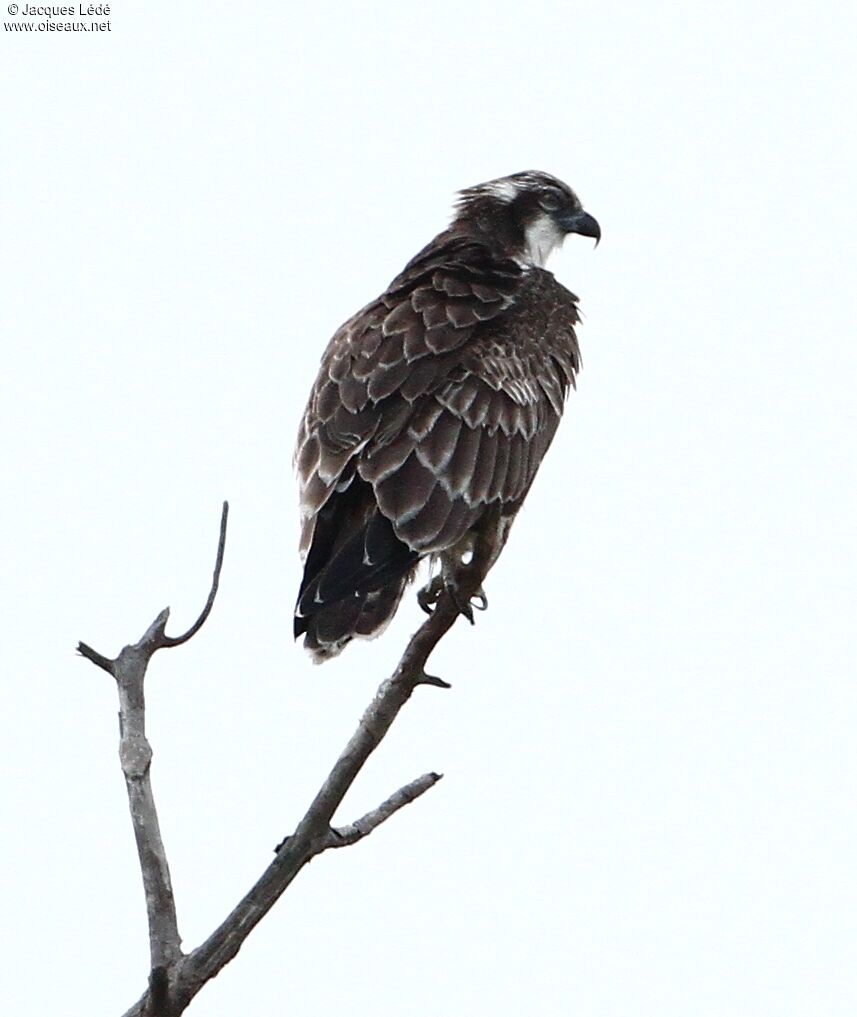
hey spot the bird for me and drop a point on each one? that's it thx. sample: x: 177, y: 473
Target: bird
x: 432, y: 410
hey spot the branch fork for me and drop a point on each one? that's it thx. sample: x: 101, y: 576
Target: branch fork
x: 176, y: 977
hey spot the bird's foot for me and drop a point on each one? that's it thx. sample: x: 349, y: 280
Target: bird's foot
x: 429, y: 595
x: 465, y: 607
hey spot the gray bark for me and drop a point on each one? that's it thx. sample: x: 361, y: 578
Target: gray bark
x: 175, y: 977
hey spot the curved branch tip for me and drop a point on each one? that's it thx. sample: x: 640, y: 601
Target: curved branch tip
x: 169, y: 641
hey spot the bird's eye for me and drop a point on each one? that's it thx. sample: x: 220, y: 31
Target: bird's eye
x: 550, y: 201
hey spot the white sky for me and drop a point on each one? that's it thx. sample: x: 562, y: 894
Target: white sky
x: 649, y: 749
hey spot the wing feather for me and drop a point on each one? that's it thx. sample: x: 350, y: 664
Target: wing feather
x: 423, y: 419
x: 458, y: 475
x: 387, y: 379
x: 501, y: 467
x: 381, y: 463
x: 440, y: 443
x: 420, y: 531
x: 422, y: 377
x: 402, y: 494
x: 441, y: 397
x: 480, y: 482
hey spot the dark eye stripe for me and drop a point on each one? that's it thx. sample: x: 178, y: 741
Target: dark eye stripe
x: 550, y: 200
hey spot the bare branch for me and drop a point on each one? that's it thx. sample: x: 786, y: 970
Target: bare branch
x: 135, y: 754
x: 215, y: 583
x: 176, y: 978
x: 343, y: 836
x: 158, y: 1001
x: 105, y: 663
x: 312, y: 835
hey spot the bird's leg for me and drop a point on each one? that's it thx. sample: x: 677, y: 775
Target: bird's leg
x: 456, y: 567
x: 475, y: 557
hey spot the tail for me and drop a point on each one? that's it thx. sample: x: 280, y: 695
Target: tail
x: 329, y: 630
x: 355, y: 573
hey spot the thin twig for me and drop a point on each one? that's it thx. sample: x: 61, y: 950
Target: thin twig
x: 343, y: 836
x: 215, y: 583
x: 105, y: 663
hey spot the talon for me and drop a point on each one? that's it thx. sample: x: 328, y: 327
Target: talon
x: 464, y: 607
x: 428, y: 596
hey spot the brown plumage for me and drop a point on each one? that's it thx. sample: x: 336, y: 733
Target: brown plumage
x: 434, y: 406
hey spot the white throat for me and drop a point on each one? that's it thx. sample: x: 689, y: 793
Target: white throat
x: 541, y: 238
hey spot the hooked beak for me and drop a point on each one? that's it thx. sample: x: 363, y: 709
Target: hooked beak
x: 583, y: 223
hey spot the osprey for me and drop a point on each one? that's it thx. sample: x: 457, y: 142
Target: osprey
x: 433, y: 409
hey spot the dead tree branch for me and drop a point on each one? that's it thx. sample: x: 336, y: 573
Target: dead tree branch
x: 135, y: 754
x: 175, y: 977
x: 343, y: 836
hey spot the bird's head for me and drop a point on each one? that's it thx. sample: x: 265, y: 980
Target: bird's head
x: 527, y: 215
